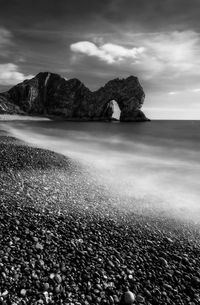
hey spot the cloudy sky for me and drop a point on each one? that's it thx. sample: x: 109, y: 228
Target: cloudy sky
x: 98, y: 40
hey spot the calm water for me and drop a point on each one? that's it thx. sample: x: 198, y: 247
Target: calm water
x: 152, y: 166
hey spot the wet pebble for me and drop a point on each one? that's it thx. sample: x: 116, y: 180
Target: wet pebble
x: 23, y: 292
x: 39, y: 246
x: 50, y: 254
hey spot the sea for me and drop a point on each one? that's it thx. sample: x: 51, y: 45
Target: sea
x: 153, y: 167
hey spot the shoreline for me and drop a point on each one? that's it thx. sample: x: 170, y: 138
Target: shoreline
x: 61, y: 240
x: 35, y: 117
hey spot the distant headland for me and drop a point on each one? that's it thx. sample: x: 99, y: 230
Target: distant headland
x: 48, y: 94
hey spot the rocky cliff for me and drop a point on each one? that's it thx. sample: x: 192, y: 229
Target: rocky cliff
x: 49, y: 94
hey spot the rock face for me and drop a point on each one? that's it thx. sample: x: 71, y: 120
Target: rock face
x: 51, y: 95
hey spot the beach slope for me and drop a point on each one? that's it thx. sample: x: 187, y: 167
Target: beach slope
x: 62, y: 241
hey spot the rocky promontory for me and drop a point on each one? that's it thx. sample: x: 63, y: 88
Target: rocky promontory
x: 49, y: 94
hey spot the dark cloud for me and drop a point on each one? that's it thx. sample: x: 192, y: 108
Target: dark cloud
x: 156, y: 15
x: 54, y: 14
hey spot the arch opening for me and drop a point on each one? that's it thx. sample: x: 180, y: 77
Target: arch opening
x: 111, y: 111
x: 116, y: 110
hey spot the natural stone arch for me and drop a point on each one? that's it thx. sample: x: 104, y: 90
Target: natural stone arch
x: 109, y: 110
x: 128, y: 94
x: 49, y: 94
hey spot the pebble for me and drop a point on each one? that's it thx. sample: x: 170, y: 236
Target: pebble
x: 169, y: 240
x: 34, y: 276
x: 23, y: 292
x: 128, y: 297
x: 164, y: 262
x: 140, y: 298
x: 58, y: 278
x: 39, y: 246
x: 52, y: 275
x: 57, y: 289
x: 46, y: 286
x: 86, y: 256
x: 5, y: 293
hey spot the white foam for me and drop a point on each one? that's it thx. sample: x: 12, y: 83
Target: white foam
x: 17, y: 117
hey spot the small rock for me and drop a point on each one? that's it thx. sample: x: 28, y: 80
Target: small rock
x: 111, y: 299
x: 116, y: 299
x: 4, y: 275
x: 111, y: 264
x: 39, y: 246
x: 5, y: 293
x: 52, y: 275
x: 167, y: 286
x: 169, y: 240
x: 57, y: 289
x: 63, y: 268
x: 195, y: 280
x: 140, y: 298
x: 58, y: 278
x: 41, y: 262
x: 164, y: 262
x: 130, y: 277
x: 23, y: 292
x: 46, y: 286
x: 128, y: 297
x: 147, y: 292
x: 34, y: 276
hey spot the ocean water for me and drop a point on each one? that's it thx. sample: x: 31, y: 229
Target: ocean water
x: 152, y: 167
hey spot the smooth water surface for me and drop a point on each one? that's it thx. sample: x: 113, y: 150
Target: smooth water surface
x: 152, y: 166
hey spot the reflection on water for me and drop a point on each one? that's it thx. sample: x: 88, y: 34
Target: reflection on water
x: 150, y: 166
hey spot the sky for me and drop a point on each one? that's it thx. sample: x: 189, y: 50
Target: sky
x: 98, y: 40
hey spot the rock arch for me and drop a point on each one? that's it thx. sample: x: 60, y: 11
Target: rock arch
x: 49, y: 94
x: 129, y: 95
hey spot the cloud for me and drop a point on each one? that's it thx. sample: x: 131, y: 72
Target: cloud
x: 170, y: 62
x: 175, y: 49
x: 5, y: 41
x: 165, y: 54
x: 163, y: 61
x: 9, y: 74
x: 109, y: 52
x: 169, y: 54
x: 173, y: 92
x: 154, y: 14
x: 196, y: 90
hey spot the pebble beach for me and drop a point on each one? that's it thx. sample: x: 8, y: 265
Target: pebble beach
x: 62, y: 241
